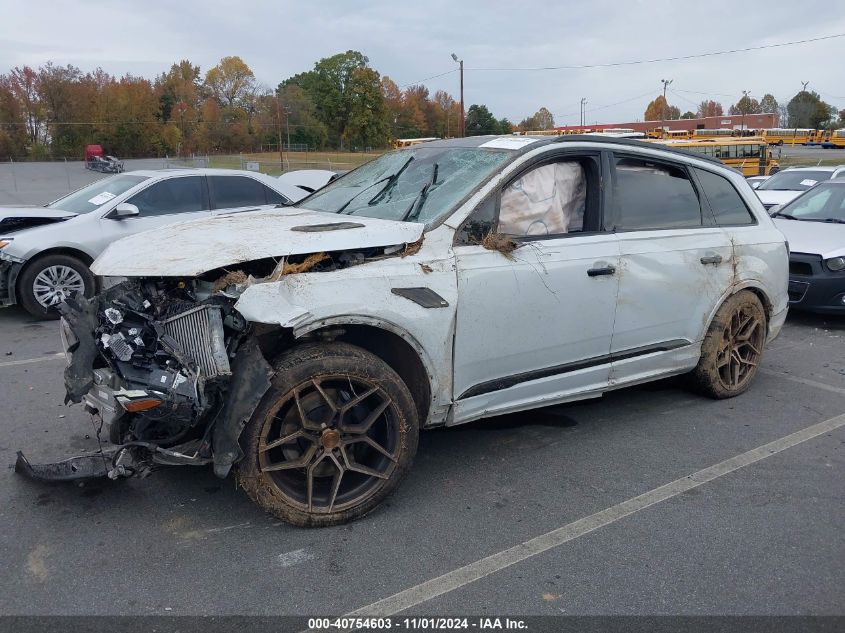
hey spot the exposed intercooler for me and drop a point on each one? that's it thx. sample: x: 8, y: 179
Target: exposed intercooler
x: 199, y: 332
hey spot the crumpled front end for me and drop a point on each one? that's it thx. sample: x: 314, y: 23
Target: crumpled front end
x: 169, y: 369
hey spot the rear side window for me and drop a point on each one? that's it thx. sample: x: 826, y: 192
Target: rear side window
x: 274, y: 197
x: 229, y: 192
x: 727, y: 205
x: 174, y: 195
x: 652, y: 195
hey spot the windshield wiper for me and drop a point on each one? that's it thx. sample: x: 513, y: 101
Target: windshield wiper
x: 367, y: 188
x: 834, y: 220
x: 413, y: 211
x: 781, y: 214
x: 390, y: 182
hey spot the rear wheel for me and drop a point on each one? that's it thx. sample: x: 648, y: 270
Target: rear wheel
x: 47, y: 281
x: 332, y: 437
x: 733, y: 347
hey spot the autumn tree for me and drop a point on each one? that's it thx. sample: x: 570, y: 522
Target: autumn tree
x: 708, y: 107
x: 23, y: 83
x: 746, y: 105
x: 659, y: 110
x: 13, y: 133
x: 230, y: 81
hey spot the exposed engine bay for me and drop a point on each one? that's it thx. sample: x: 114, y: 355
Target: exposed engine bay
x: 153, y: 360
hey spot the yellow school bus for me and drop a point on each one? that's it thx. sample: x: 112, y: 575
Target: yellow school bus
x: 788, y: 136
x: 720, y: 133
x: 750, y: 155
x: 834, y: 139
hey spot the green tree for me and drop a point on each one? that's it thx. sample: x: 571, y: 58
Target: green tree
x: 688, y: 115
x: 366, y: 125
x: 768, y: 104
x: 479, y: 120
x: 328, y: 85
x: 807, y: 110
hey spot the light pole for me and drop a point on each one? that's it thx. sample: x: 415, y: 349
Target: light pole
x: 801, y: 109
x: 583, y: 111
x: 665, y: 83
x: 463, y: 120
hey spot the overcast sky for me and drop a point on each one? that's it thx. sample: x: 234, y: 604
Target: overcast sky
x: 410, y: 41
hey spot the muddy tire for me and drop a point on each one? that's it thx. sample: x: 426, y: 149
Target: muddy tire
x: 332, y: 437
x: 732, y: 348
x: 46, y: 281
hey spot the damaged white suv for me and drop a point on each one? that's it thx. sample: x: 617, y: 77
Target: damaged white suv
x: 433, y: 286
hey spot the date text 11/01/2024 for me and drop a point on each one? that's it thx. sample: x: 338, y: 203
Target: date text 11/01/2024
x: 417, y: 624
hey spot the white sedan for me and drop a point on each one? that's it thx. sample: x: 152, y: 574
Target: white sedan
x: 45, y: 252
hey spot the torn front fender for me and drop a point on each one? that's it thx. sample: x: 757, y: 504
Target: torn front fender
x: 79, y: 320
x: 251, y: 374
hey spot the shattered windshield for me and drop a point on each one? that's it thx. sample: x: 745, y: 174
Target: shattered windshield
x: 419, y: 184
x: 96, y: 194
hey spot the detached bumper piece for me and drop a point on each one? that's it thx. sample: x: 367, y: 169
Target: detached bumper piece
x: 73, y: 469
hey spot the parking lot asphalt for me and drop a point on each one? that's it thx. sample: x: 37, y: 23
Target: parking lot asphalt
x: 763, y: 539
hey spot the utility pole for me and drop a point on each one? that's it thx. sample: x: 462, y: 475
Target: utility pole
x: 287, y: 124
x: 745, y: 94
x: 463, y: 116
x: 665, y: 83
x: 279, y: 131
x: 583, y: 111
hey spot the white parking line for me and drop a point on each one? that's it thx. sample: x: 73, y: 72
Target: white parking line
x: 802, y: 381
x: 29, y: 361
x: 496, y: 562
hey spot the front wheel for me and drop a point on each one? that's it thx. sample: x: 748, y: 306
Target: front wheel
x: 47, y: 281
x: 331, y: 438
x: 732, y: 348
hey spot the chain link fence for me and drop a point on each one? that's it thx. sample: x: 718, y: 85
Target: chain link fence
x: 275, y: 164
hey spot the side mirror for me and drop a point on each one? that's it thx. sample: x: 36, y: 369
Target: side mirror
x: 755, y: 184
x: 125, y: 210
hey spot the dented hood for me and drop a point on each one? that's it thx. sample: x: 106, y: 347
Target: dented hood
x: 19, y: 218
x: 192, y: 248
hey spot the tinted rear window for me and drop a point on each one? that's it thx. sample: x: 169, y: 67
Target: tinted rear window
x: 726, y: 203
x: 651, y: 195
x: 230, y: 192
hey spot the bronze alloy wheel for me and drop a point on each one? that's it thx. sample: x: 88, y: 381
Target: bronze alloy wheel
x: 330, y: 445
x: 331, y: 438
x: 742, y: 346
x: 733, y: 347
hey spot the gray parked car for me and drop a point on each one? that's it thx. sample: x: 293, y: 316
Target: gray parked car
x: 45, y: 252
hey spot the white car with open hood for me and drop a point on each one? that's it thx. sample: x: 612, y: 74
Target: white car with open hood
x: 435, y: 285
x: 45, y: 252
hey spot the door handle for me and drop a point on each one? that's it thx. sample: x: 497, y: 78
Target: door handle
x: 711, y: 259
x: 604, y: 270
